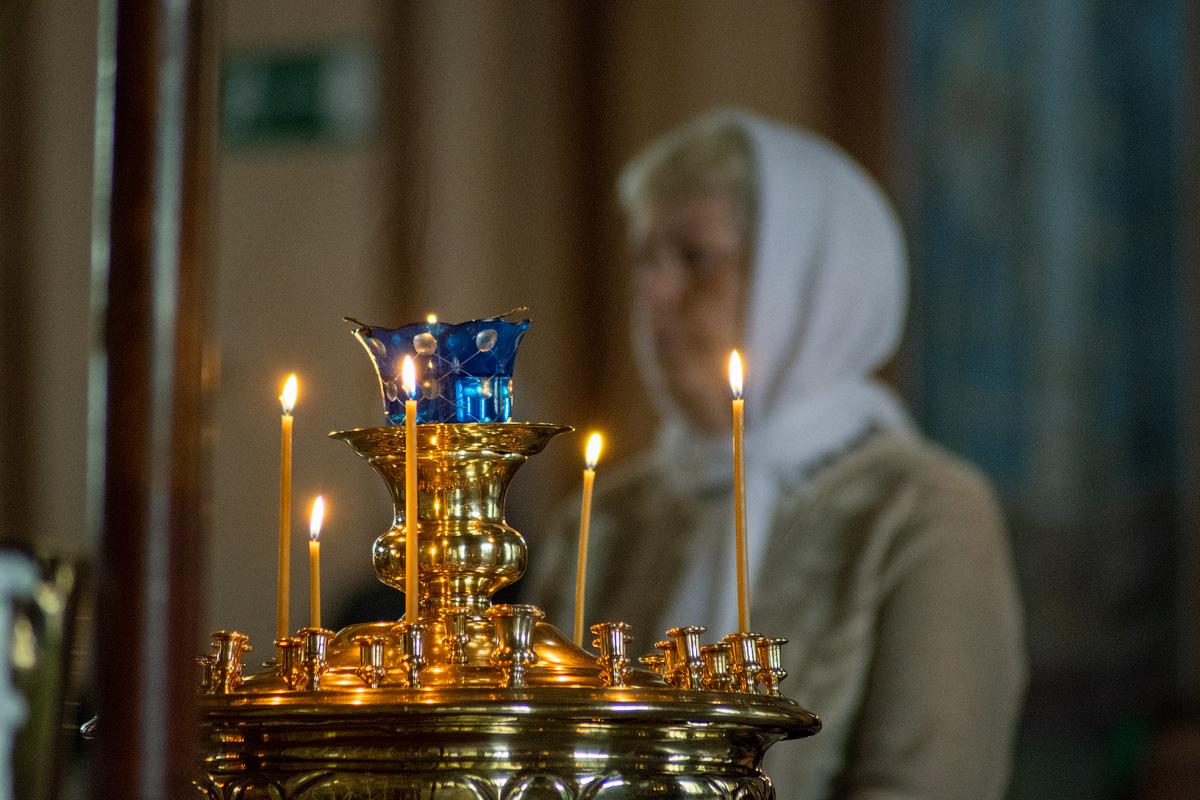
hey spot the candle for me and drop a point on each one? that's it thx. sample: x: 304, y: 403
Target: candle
x: 589, y: 477
x: 739, y: 492
x: 288, y: 400
x: 314, y: 562
x: 408, y: 376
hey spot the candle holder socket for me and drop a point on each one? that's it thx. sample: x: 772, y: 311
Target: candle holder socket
x: 670, y: 671
x: 371, y: 653
x: 717, y: 677
x: 772, y: 673
x: 654, y: 663
x: 512, y: 651
x: 455, y: 635
x: 744, y: 664
x: 208, y: 673
x: 611, y: 638
x: 689, y: 666
x: 412, y: 649
x: 316, y: 644
x: 227, y: 671
x: 289, y: 661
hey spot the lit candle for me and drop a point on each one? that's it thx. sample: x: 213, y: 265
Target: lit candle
x: 288, y: 400
x: 589, y: 477
x: 431, y: 319
x: 739, y: 492
x: 408, y: 376
x: 314, y: 562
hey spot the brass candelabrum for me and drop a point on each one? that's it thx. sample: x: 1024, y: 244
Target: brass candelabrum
x: 475, y: 701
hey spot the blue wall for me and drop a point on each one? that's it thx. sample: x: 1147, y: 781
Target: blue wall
x: 1044, y: 179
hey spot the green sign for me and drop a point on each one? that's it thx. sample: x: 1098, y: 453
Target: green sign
x: 325, y: 95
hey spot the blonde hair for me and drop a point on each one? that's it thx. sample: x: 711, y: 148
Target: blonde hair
x: 712, y: 153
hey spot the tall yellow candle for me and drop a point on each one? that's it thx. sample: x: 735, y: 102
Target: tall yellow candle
x: 739, y: 492
x: 314, y: 562
x: 288, y: 400
x: 589, y: 478
x: 408, y: 377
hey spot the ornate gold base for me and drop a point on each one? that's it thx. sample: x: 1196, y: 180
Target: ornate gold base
x: 484, y: 702
x: 480, y: 744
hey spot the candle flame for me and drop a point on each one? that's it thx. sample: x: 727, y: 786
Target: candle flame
x: 593, y: 451
x: 408, y: 377
x: 735, y: 374
x: 288, y: 398
x: 318, y: 515
x: 432, y: 318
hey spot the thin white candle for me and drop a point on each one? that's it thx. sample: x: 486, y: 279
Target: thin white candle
x: 408, y: 377
x: 288, y: 401
x: 589, y: 478
x: 314, y: 562
x: 739, y: 492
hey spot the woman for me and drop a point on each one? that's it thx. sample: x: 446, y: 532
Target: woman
x: 880, y: 557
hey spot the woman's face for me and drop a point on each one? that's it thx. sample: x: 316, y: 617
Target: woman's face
x: 691, y: 265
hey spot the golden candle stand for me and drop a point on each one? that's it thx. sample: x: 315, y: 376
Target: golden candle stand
x: 476, y: 701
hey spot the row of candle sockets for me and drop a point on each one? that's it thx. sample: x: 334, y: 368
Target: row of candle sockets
x: 288, y: 400
x: 741, y: 662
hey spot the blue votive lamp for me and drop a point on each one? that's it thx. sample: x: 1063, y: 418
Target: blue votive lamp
x: 464, y: 371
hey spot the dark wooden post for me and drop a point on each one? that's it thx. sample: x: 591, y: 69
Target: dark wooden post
x: 146, y: 413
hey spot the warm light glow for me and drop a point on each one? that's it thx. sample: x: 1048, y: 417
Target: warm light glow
x: 288, y: 398
x: 432, y: 318
x: 318, y: 515
x: 408, y: 377
x: 593, y: 451
x: 735, y: 374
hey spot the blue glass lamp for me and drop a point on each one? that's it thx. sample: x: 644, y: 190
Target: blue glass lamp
x: 464, y: 371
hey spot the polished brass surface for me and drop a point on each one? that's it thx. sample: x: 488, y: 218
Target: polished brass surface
x: 486, y: 702
x: 689, y: 665
x: 227, y: 668
x: 611, y: 638
x: 743, y: 658
x: 316, y: 660
x: 717, y: 677
x: 772, y: 672
x: 512, y: 648
x: 370, y: 658
x: 467, y: 551
x: 289, y: 657
x: 412, y: 652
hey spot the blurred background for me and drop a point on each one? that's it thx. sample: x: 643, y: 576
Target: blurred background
x: 391, y: 160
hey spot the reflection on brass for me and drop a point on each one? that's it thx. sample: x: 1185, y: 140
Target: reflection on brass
x: 475, y: 701
x: 743, y: 658
x: 289, y: 657
x: 611, y: 638
x: 688, y: 664
x: 370, y: 658
x: 208, y: 673
x: 513, y: 649
x: 316, y: 644
x: 456, y: 636
x: 467, y: 550
x: 654, y: 663
x: 770, y: 653
x: 412, y: 649
x: 716, y: 667
x: 670, y: 662
x: 227, y: 671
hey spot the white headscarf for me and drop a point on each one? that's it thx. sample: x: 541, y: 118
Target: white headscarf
x: 826, y: 307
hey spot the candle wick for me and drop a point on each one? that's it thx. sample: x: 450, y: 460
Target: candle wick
x: 363, y: 327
